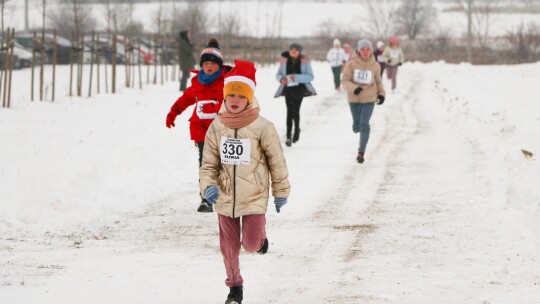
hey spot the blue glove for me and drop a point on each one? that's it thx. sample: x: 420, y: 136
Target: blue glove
x: 211, y: 194
x: 279, y: 202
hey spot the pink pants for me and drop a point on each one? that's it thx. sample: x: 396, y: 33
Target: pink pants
x: 391, y: 73
x: 253, y: 235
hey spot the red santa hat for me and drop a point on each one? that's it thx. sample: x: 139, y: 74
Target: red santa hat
x: 241, y: 80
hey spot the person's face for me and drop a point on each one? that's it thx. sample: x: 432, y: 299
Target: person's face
x: 235, y: 103
x: 294, y: 53
x: 210, y: 67
x: 365, y: 52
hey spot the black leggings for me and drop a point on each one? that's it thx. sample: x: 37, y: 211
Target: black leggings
x: 293, y: 99
x: 200, y: 145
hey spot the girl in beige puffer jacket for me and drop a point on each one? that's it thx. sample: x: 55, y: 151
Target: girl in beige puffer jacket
x: 242, y: 153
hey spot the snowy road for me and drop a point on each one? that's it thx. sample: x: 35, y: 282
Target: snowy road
x: 426, y: 219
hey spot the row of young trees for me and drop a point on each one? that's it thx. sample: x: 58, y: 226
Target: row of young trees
x: 410, y: 18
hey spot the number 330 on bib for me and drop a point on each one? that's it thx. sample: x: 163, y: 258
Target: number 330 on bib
x: 235, y: 151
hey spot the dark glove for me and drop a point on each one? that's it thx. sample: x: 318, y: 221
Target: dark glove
x: 380, y: 99
x: 357, y: 91
x: 279, y: 202
x: 211, y: 194
x: 209, y: 108
x: 389, y: 61
x: 170, y: 118
x: 399, y: 64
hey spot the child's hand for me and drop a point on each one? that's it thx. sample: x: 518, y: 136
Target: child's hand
x: 279, y: 202
x: 283, y: 81
x: 170, y: 118
x: 211, y: 194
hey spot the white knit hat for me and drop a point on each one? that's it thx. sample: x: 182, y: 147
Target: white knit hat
x: 336, y: 42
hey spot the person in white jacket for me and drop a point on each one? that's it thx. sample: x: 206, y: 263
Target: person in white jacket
x: 336, y: 57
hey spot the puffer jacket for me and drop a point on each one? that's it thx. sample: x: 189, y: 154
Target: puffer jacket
x: 368, y: 78
x: 244, y: 189
x: 201, y: 94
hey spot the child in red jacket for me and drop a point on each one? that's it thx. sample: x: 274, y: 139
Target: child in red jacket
x: 206, y: 93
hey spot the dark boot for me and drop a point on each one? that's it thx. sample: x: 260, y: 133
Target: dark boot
x: 264, y: 248
x: 288, y: 142
x: 205, y: 207
x: 296, y: 136
x: 360, y: 157
x: 236, y: 295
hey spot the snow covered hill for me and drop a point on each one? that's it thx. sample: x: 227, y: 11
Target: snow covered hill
x: 98, y: 198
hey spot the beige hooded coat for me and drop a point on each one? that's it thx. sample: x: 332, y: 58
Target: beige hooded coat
x: 364, y: 73
x: 244, y: 189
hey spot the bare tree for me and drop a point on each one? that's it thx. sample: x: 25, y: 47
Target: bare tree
x: 194, y: 19
x: 526, y: 42
x: 382, y: 14
x: 77, y: 18
x: 415, y: 17
x: 481, y: 13
x: 3, y: 7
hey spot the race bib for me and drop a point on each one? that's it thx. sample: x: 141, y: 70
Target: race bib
x: 362, y: 76
x: 203, y: 115
x: 290, y: 81
x: 394, y: 54
x: 235, y: 151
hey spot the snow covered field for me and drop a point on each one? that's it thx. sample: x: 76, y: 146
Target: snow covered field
x: 98, y: 198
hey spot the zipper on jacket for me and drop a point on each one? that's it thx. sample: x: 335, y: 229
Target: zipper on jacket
x: 234, y: 180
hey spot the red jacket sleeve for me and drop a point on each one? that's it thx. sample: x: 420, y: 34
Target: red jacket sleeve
x: 183, y: 102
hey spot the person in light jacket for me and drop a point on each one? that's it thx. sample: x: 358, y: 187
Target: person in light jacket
x: 362, y: 81
x: 242, y: 160
x: 393, y: 57
x: 294, y: 75
x: 337, y: 58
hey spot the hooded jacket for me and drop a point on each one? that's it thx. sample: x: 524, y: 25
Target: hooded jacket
x: 200, y: 94
x: 368, y: 77
x: 244, y: 188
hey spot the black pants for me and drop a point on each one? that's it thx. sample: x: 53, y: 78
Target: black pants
x: 200, y: 145
x: 293, y: 99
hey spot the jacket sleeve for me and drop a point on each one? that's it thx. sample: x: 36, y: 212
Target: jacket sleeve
x: 183, y: 102
x: 378, y: 81
x: 280, y: 73
x: 209, y: 170
x: 347, y: 79
x: 401, y: 56
x: 329, y: 56
x: 386, y: 55
x: 277, y: 166
x: 307, y: 74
